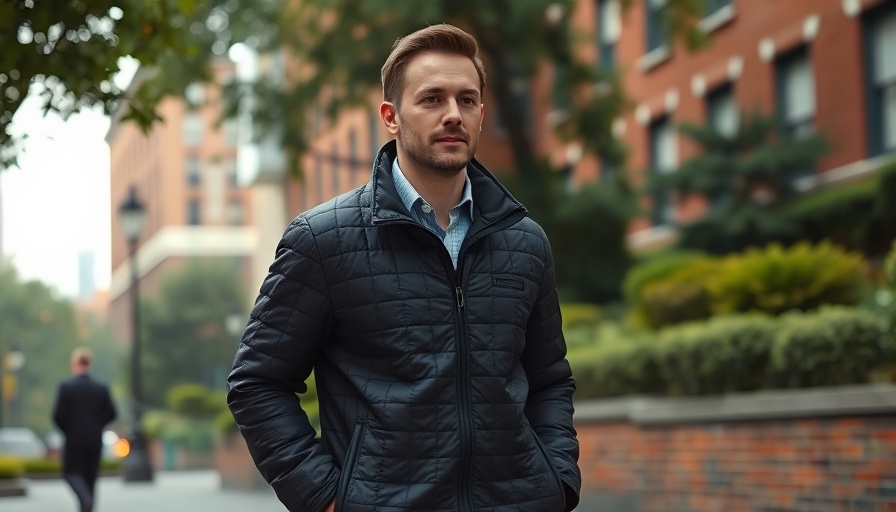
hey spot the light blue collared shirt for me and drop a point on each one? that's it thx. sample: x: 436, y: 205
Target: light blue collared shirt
x: 459, y: 218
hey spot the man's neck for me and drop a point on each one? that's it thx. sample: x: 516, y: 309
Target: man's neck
x: 441, y: 191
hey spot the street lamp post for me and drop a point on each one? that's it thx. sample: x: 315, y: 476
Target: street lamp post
x: 137, y: 467
x: 15, y: 362
x: 234, y: 323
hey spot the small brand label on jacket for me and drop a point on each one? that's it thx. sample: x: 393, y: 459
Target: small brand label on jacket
x: 507, y: 282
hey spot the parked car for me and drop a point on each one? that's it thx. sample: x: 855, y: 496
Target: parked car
x: 55, y: 440
x: 21, y: 442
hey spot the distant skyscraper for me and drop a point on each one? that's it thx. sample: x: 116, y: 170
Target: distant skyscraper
x: 86, y: 275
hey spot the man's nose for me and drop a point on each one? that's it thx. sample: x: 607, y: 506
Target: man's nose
x: 452, y: 115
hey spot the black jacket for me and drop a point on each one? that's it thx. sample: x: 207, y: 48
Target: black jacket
x: 82, y: 410
x: 438, y: 390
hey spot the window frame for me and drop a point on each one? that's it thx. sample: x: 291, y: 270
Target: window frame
x: 875, y: 92
x: 662, y: 208
x: 781, y: 63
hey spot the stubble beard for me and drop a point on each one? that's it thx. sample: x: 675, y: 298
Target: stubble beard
x: 444, y: 164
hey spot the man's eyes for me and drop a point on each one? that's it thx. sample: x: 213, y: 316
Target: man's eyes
x: 470, y: 101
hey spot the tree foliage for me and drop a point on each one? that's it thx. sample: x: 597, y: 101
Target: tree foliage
x: 745, y: 176
x: 69, y: 57
x: 46, y: 329
x: 186, y: 341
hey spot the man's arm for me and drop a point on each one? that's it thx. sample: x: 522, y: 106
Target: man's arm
x: 549, y: 407
x: 290, y: 320
x: 60, y: 409
x: 109, y: 410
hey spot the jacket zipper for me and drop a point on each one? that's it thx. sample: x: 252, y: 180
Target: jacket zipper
x: 465, y: 482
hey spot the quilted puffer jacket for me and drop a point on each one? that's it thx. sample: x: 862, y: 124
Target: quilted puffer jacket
x: 439, y: 390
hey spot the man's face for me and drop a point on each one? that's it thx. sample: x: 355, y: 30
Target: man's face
x: 438, y: 121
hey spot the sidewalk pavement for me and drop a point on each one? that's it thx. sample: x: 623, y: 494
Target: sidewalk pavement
x: 171, y: 491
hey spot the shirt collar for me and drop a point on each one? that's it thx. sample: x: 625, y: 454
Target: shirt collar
x: 409, y: 195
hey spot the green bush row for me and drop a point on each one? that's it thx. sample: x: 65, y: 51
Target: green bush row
x: 834, y: 345
x: 15, y: 467
x: 772, y: 280
x: 11, y: 467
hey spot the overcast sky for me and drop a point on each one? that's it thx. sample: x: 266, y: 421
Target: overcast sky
x: 56, y: 203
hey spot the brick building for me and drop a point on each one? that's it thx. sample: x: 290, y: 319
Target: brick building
x: 820, y: 64
x: 185, y: 172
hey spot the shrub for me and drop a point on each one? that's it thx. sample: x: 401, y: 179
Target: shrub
x: 834, y: 346
x: 733, y: 353
x: 648, y: 272
x: 775, y: 280
x: 11, y: 467
x: 225, y: 424
x: 193, y: 401
x: 580, y: 314
x: 725, y: 354
x: 42, y: 466
x: 680, y: 297
x: 890, y: 279
x: 618, y: 368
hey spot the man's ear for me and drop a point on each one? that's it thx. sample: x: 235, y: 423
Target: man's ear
x: 389, y: 114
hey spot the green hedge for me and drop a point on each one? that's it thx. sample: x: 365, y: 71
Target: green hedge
x: 11, y: 467
x: 771, y: 280
x: 741, y: 352
x: 722, y: 355
x: 836, y: 346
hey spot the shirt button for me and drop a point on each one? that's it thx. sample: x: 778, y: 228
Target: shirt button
x: 426, y: 208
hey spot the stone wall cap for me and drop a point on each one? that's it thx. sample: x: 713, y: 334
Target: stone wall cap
x: 870, y: 399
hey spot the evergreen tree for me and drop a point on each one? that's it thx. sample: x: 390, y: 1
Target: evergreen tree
x: 743, y: 178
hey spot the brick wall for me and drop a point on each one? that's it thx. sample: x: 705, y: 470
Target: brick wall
x: 759, y: 458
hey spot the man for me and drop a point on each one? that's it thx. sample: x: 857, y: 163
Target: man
x: 425, y: 304
x: 83, y: 408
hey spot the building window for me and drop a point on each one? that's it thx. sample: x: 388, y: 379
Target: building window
x: 713, y: 6
x: 796, y: 92
x: 663, y: 160
x: 608, y: 172
x: 520, y: 98
x: 235, y: 212
x: 721, y: 111
x: 373, y: 121
x: 336, y: 168
x: 195, y: 94
x: 353, y: 162
x: 232, y: 176
x: 656, y: 24
x: 230, y: 130
x: 880, y: 40
x: 194, y: 171
x: 609, y: 24
x: 194, y: 212
x: 192, y: 130
x: 319, y: 176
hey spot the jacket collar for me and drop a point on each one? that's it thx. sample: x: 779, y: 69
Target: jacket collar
x: 492, y: 201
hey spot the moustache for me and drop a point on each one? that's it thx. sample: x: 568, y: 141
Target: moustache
x: 460, y: 134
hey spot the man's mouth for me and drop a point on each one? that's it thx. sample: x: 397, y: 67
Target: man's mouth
x: 452, y: 139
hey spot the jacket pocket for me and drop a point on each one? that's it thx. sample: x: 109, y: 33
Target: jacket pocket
x: 561, y: 492
x: 348, y: 466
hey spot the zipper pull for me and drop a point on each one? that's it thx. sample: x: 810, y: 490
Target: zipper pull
x: 460, y: 296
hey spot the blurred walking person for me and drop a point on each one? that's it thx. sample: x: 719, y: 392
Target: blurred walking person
x: 82, y: 410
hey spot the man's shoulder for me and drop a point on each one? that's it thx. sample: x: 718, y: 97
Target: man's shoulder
x: 342, y: 210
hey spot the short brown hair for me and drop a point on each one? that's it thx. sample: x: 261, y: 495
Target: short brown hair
x: 439, y: 38
x: 82, y: 356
